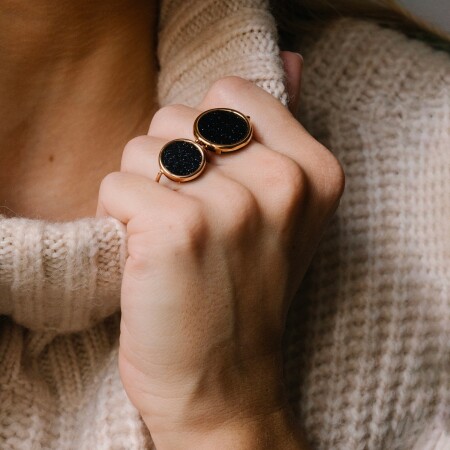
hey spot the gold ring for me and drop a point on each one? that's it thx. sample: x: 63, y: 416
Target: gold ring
x: 217, y: 130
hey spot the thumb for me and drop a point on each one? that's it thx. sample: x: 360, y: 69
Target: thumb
x: 293, y: 64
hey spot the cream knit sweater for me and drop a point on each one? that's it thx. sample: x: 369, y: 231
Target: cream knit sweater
x: 367, y: 348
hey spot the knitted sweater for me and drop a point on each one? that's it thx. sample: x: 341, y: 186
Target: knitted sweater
x: 368, y: 341
x: 367, y: 348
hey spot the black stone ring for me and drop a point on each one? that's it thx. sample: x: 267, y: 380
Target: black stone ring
x: 217, y: 130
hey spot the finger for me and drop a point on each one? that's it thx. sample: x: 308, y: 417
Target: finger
x: 127, y: 195
x: 140, y: 158
x: 276, y: 128
x: 141, y: 155
x: 270, y: 176
x: 274, y: 180
x: 261, y: 170
x: 277, y: 182
x: 293, y: 64
x: 174, y: 121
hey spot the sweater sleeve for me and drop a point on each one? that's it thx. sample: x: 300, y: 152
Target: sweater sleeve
x: 60, y: 277
x: 200, y: 42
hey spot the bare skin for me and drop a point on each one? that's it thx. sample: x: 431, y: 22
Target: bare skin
x: 77, y: 81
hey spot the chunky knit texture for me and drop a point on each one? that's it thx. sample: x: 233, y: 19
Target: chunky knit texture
x: 367, y: 348
x: 368, y: 342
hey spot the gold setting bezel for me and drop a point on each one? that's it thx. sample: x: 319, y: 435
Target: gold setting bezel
x: 181, y: 179
x: 217, y: 148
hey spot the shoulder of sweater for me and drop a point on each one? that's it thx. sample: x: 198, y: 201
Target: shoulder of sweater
x: 360, y: 27
x: 357, y: 52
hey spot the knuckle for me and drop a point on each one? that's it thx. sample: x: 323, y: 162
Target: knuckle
x: 134, y: 146
x: 287, y: 188
x: 110, y: 182
x: 164, y: 116
x: 228, y: 87
x: 242, y: 208
x: 288, y: 179
x: 187, y: 228
x: 333, y: 178
x: 294, y: 180
x: 110, y: 187
x: 176, y: 233
x: 141, y: 254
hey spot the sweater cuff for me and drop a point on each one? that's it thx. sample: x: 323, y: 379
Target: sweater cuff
x: 61, y: 276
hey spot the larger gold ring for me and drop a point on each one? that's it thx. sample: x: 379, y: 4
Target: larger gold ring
x: 217, y: 130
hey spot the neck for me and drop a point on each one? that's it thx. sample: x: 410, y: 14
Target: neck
x: 77, y: 80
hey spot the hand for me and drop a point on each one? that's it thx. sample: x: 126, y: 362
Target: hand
x: 213, y: 265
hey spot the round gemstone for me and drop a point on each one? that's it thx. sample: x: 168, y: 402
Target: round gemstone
x: 223, y: 127
x: 181, y: 158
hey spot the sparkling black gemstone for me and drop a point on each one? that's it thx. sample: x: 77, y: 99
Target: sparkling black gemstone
x: 222, y: 127
x: 181, y: 158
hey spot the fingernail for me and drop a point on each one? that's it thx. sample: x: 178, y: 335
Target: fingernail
x: 299, y: 55
x: 293, y: 53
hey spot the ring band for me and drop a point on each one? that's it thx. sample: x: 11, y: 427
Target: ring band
x: 217, y: 130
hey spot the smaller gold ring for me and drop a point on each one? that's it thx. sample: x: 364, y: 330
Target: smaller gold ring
x: 181, y: 160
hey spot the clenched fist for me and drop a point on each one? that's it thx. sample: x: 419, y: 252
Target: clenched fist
x: 212, y: 267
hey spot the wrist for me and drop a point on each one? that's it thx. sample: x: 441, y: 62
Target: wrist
x: 246, y: 410
x: 216, y: 395
x: 275, y: 431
